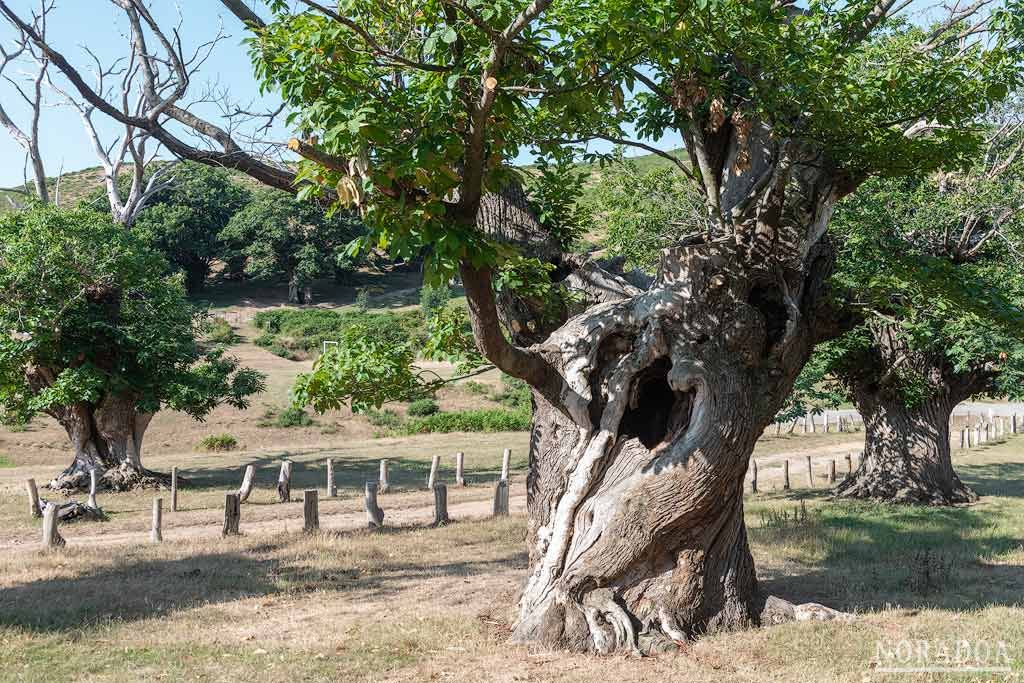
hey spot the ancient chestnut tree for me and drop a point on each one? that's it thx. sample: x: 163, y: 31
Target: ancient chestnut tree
x: 932, y: 267
x: 650, y: 398
x: 95, y: 336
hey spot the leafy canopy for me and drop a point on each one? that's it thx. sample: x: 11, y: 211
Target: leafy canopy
x: 86, y: 310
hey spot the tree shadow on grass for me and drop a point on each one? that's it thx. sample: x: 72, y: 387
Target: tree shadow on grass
x: 149, y: 588
x: 855, y: 555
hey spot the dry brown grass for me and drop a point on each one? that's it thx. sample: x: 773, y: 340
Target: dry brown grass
x: 416, y: 604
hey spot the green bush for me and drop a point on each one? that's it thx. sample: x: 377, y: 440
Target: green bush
x: 384, y: 418
x: 491, y: 420
x: 476, y: 387
x: 219, y: 442
x: 363, y: 299
x: 219, y: 331
x: 306, y: 330
x: 292, y: 416
x: 423, y: 407
x: 433, y: 299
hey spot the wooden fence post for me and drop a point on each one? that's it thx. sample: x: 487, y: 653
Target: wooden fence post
x: 232, y: 514
x: 460, y: 463
x: 810, y: 473
x: 33, y: 498
x: 383, y: 485
x: 92, y: 490
x: 440, y: 504
x: 500, y: 498
x: 753, y: 479
x: 963, y: 439
x: 849, y: 465
x: 785, y: 475
x: 832, y: 472
x: 284, y: 482
x: 1016, y: 424
x: 174, y: 489
x: 435, y: 462
x: 506, y: 458
x: 977, y: 435
x: 51, y: 537
x: 154, y: 535
x: 310, y: 511
x: 825, y: 423
x: 374, y: 515
x: 247, y: 482
x: 332, y: 488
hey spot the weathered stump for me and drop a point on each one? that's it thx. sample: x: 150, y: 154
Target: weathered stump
x: 383, y: 485
x: 247, y: 482
x: 92, y: 490
x: 284, y: 482
x: 500, y: 498
x: 174, y: 489
x: 51, y: 537
x: 310, y: 510
x: 155, y: 535
x: 332, y: 487
x: 460, y: 476
x: 33, y: 498
x: 232, y: 514
x: 441, y: 504
x: 374, y: 515
x: 785, y: 475
x: 435, y: 462
x: 506, y: 459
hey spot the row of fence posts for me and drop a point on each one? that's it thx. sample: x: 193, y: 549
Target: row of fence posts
x: 997, y: 427
x: 809, y: 425
x: 994, y: 429
x: 831, y: 475
x: 310, y: 498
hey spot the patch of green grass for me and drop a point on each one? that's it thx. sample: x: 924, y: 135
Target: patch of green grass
x: 5, y: 461
x: 488, y: 420
x: 423, y: 407
x: 292, y: 416
x: 219, y: 331
x: 218, y: 443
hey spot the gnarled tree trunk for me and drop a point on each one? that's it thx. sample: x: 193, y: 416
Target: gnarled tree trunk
x: 906, y: 453
x: 106, y: 437
x: 636, y: 532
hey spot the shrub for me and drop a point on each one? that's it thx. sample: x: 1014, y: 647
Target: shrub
x: 219, y: 442
x: 433, y: 299
x: 384, y: 418
x: 363, y: 299
x: 219, y: 331
x: 476, y: 388
x: 423, y: 407
x: 292, y: 416
x: 491, y: 420
x: 306, y: 330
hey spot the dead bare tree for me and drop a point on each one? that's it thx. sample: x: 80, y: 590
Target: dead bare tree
x: 25, y: 50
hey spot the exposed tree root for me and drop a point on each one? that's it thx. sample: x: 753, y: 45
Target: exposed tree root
x: 124, y: 477
x: 903, y: 488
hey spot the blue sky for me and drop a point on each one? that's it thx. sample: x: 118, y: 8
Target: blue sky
x: 98, y: 24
